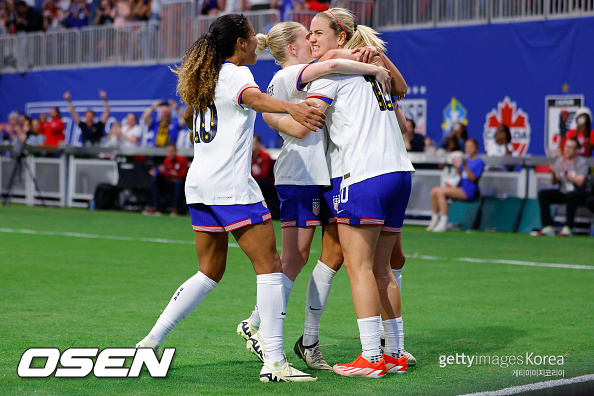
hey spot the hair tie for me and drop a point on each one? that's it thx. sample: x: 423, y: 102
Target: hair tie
x: 342, y: 27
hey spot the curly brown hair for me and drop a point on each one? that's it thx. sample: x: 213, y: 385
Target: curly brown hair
x: 199, y: 71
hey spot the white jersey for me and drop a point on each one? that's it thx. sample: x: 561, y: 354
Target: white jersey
x: 220, y: 173
x: 301, y: 162
x: 363, y: 126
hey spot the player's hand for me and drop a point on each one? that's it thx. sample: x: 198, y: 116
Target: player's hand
x: 383, y: 78
x: 366, y: 54
x: 172, y: 103
x: 67, y: 96
x: 102, y: 94
x: 307, y: 114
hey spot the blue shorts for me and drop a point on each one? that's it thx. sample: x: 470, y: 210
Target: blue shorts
x: 225, y: 218
x: 330, y: 200
x: 470, y: 189
x: 381, y: 200
x: 300, y: 205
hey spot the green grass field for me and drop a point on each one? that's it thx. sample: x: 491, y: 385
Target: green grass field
x: 72, y: 284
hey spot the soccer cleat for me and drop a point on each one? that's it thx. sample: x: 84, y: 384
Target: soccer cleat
x: 361, y: 368
x: 395, y: 365
x: 245, y: 329
x: 148, y: 343
x: 256, y: 346
x: 410, y: 359
x: 441, y: 226
x: 273, y: 371
x: 548, y: 231
x: 566, y: 232
x: 432, y: 223
x: 312, y: 356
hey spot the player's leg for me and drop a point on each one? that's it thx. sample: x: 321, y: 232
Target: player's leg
x: 443, y: 193
x: 259, y: 243
x: 211, y: 248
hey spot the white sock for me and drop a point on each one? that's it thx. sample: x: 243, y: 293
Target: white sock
x: 443, y: 219
x: 272, y: 309
x: 394, y: 337
x: 183, y: 302
x: 398, y: 275
x: 318, y: 290
x: 288, y: 284
x: 434, y: 216
x: 255, y: 316
x: 370, y: 338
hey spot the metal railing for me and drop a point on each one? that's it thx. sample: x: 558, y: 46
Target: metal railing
x: 412, y: 14
x: 166, y: 41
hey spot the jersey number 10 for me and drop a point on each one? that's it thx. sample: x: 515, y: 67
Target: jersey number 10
x: 205, y: 126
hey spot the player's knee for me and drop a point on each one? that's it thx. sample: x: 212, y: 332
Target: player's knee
x: 384, y: 281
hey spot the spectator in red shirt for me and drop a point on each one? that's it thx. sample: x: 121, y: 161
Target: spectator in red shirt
x: 261, y: 162
x: 53, y: 129
x: 168, y: 180
x: 583, y: 132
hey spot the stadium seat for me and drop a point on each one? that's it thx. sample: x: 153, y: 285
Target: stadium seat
x: 499, y: 214
x: 462, y: 214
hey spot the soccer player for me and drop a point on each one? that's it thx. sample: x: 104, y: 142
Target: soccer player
x: 301, y: 170
x: 374, y: 192
x: 220, y: 192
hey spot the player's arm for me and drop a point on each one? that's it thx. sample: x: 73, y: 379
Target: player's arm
x: 377, y: 55
x: 349, y: 67
x: 288, y: 126
x: 304, y: 113
x: 401, y: 118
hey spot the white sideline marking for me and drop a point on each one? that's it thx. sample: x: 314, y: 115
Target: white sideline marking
x: 234, y: 245
x: 500, y: 261
x: 95, y: 236
x: 532, y: 387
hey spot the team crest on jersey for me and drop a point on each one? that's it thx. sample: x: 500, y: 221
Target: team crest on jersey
x: 336, y: 201
x: 508, y: 113
x: 315, y: 207
x: 453, y: 113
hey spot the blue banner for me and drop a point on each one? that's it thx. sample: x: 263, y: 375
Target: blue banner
x: 479, y: 75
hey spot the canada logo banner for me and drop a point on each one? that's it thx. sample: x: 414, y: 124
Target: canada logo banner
x: 508, y: 113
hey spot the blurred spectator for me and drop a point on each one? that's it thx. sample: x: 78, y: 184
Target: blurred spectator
x: 165, y: 128
x: 255, y: 5
x: 104, y: 14
x: 412, y: 140
x: 261, y: 162
x: 169, y: 179
x: 155, y: 9
x: 500, y: 147
x: 126, y: 135
x: 29, y: 19
x: 430, y: 145
x: 78, y: 14
x: 51, y: 14
x: 114, y: 136
x: 469, y: 170
x: 238, y: 6
x: 286, y: 7
x: 3, y: 20
x: 140, y: 11
x: 211, y: 7
x: 122, y: 14
x: 456, y: 139
x: 91, y: 131
x: 53, y: 129
x: 11, y: 16
x: 10, y: 129
x: 38, y: 132
x: 570, y: 173
x: 318, y: 5
x: 583, y: 132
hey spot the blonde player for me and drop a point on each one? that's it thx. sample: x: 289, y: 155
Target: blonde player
x: 301, y: 170
x: 373, y: 195
x: 221, y: 194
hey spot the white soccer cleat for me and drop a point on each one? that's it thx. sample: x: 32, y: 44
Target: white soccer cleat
x: 432, y: 223
x: 441, y: 226
x: 245, y: 329
x: 273, y: 371
x: 566, y: 231
x: 148, y: 343
x: 547, y: 231
x: 312, y: 356
x: 256, y: 346
x: 410, y: 359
